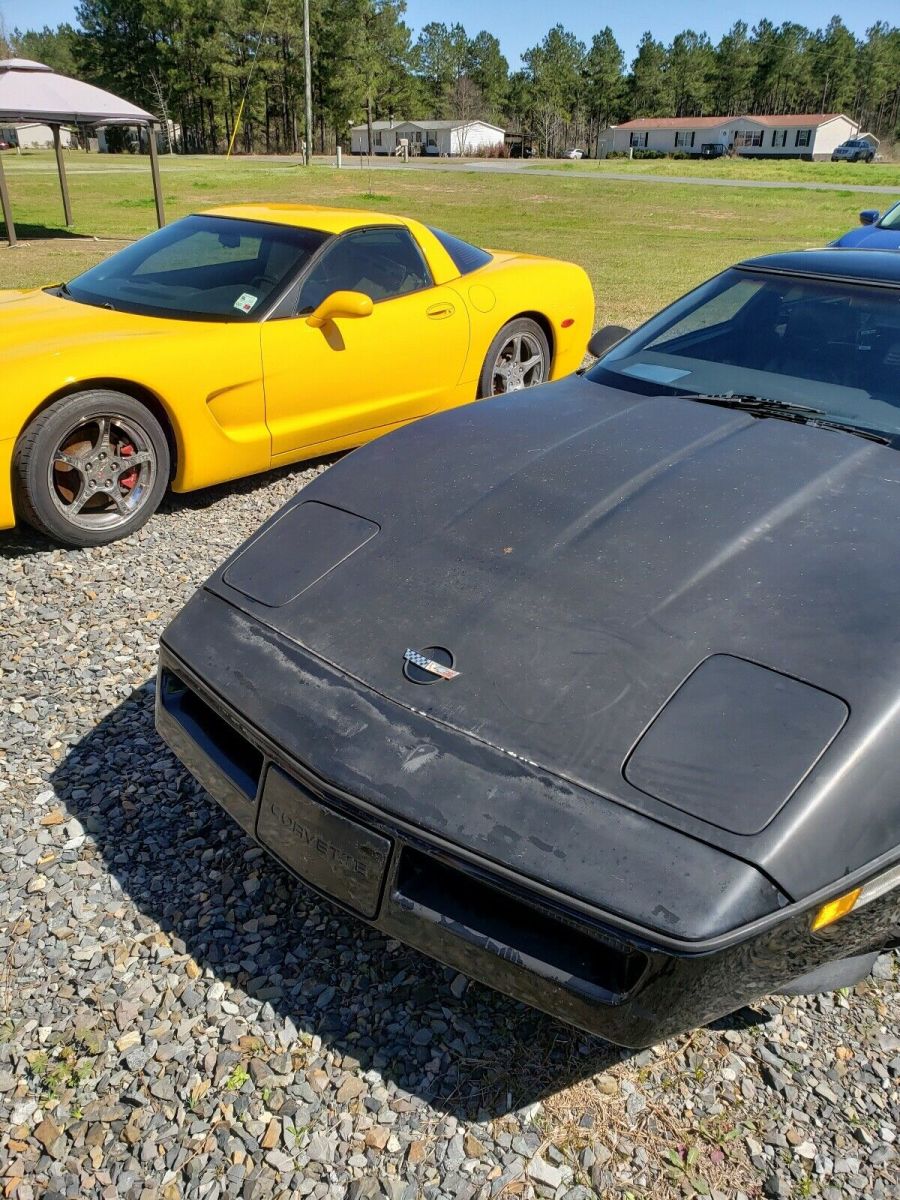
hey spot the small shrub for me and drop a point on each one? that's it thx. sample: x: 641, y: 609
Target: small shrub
x: 498, y: 150
x: 237, y: 1078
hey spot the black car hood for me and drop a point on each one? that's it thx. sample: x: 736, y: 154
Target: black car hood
x: 584, y: 552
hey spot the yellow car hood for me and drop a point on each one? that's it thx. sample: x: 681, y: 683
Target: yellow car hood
x: 39, y: 323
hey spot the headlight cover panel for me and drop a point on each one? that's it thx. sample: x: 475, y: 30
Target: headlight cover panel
x: 734, y: 742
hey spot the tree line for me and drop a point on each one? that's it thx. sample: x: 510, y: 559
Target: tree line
x: 201, y: 63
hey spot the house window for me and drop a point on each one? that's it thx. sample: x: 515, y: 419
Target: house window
x: 804, y: 137
x: 779, y: 137
x: 378, y: 137
x: 639, y: 140
x: 747, y: 137
x: 685, y: 138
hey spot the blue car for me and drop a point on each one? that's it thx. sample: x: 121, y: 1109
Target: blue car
x: 876, y: 232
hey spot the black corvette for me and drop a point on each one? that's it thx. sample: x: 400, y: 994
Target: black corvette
x: 593, y: 692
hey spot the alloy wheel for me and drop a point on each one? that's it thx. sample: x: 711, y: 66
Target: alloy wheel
x: 519, y: 363
x: 102, y: 471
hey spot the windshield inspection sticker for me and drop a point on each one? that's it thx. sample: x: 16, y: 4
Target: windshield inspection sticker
x: 245, y: 301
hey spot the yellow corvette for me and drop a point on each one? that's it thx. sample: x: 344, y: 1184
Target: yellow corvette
x: 252, y: 336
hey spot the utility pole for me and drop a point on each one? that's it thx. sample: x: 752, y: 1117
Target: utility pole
x: 307, y: 71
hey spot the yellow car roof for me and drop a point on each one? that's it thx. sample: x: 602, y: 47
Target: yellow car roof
x: 309, y: 216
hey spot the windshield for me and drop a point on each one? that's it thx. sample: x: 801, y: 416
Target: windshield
x: 891, y: 219
x: 202, y: 268
x: 831, y: 345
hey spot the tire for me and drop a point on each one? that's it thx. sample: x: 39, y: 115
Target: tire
x: 517, y: 358
x: 91, y: 468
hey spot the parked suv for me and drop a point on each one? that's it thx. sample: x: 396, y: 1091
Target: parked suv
x: 713, y: 150
x: 854, y: 150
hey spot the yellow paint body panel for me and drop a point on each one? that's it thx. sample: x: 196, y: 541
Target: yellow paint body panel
x: 242, y: 397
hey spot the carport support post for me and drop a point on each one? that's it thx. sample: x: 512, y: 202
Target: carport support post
x: 6, y: 207
x: 61, y: 168
x: 154, y: 171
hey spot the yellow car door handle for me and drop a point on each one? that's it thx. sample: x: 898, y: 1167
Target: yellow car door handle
x: 438, y: 311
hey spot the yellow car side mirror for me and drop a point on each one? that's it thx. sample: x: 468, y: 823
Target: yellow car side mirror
x: 340, y: 304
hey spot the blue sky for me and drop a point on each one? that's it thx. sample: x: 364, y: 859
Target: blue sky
x: 521, y: 25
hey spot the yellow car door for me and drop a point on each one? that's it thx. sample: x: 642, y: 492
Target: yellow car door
x: 353, y: 375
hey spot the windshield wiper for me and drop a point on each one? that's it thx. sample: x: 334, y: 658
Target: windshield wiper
x: 755, y: 404
x: 857, y: 430
x: 803, y: 414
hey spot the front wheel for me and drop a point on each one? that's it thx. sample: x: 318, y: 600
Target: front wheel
x: 517, y: 358
x: 91, y: 468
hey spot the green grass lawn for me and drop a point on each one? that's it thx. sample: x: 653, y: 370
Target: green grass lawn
x: 789, y: 171
x: 642, y: 246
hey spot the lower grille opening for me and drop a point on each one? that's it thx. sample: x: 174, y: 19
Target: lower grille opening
x: 228, y: 749
x: 516, y: 926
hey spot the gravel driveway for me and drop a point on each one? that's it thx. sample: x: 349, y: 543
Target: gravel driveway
x: 177, y: 1019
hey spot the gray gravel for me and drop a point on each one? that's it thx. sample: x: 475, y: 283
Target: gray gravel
x: 177, y: 1019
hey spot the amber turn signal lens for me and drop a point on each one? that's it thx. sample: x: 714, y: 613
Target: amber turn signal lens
x: 568, y: 322
x: 835, y: 909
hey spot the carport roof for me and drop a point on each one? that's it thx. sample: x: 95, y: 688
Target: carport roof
x: 31, y: 91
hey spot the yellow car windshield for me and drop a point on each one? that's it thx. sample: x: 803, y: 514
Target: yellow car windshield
x: 202, y: 268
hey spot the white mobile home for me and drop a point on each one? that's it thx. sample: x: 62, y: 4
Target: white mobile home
x: 34, y: 137
x: 438, y: 138
x: 787, y: 135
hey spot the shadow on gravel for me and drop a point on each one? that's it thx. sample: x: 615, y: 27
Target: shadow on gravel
x: 220, y: 899
x: 207, y: 497
x: 22, y: 542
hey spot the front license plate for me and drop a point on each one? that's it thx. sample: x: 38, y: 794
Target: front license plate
x: 341, y: 858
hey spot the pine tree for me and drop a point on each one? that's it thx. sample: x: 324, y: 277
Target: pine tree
x: 555, y: 75
x: 650, y: 84
x: 736, y: 60
x: 834, y: 67
x: 489, y: 71
x: 603, y: 82
x: 691, y: 67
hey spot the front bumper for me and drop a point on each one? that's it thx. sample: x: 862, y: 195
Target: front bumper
x: 632, y: 987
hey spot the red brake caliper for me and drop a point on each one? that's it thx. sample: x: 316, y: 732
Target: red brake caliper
x: 130, y: 478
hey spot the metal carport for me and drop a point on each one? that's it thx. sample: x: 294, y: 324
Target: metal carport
x: 32, y: 93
